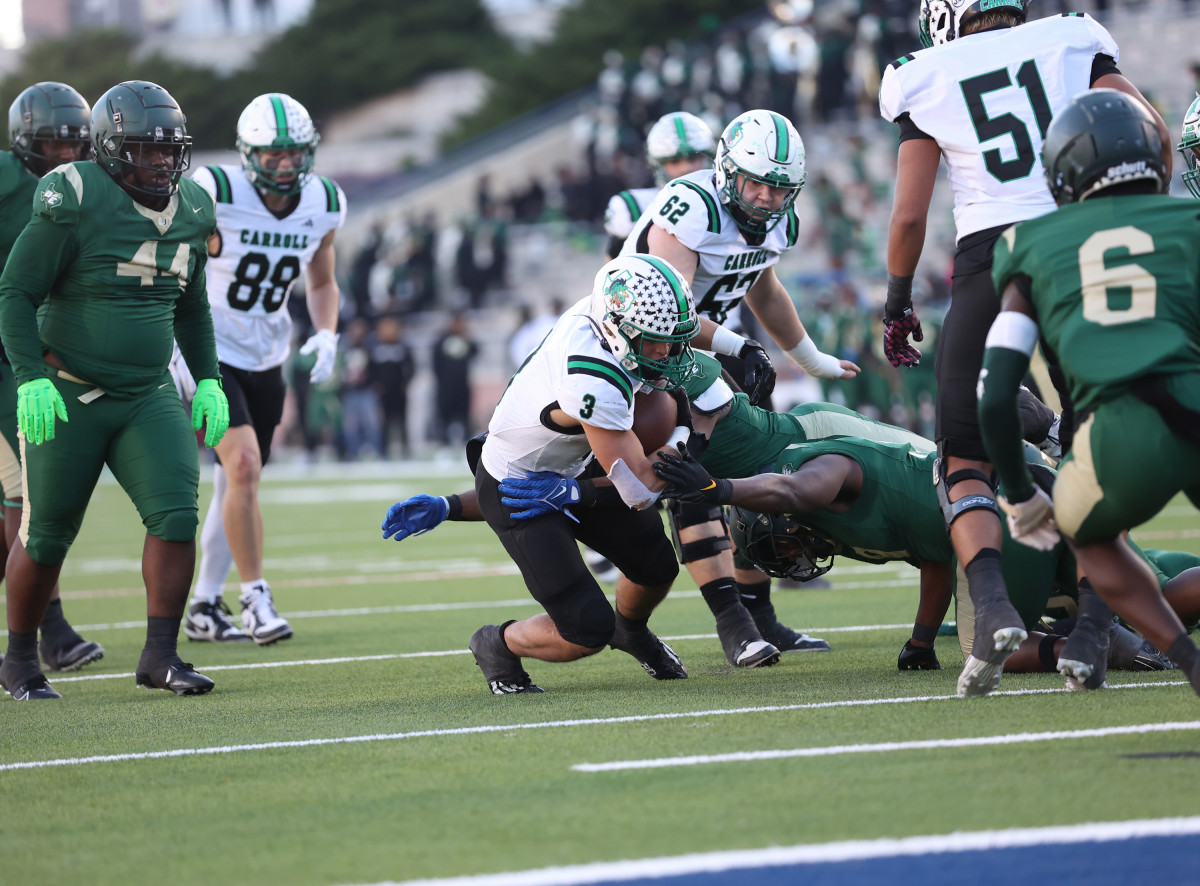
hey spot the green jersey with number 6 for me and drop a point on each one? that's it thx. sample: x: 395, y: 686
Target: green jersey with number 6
x: 1116, y: 285
x: 111, y: 281
x: 259, y: 258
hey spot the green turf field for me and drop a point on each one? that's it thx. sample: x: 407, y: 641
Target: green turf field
x: 367, y: 748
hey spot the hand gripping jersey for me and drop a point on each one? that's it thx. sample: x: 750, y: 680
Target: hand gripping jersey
x: 1114, y: 281
x: 689, y: 208
x: 113, y: 283
x: 625, y: 208
x: 571, y: 370
x: 987, y: 99
x: 260, y: 260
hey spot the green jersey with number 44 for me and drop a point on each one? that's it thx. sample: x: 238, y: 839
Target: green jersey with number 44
x: 106, y: 283
x: 1115, y: 282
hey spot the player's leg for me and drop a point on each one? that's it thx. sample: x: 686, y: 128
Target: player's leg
x: 209, y: 616
x: 153, y: 457
x: 963, y: 476
x: 704, y: 548
x: 754, y: 590
x: 61, y: 647
x: 59, y: 476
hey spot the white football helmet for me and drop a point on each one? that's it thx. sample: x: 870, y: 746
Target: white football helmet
x: 277, y: 122
x: 678, y: 136
x: 638, y: 299
x: 1189, y: 145
x: 940, y: 21
x: 759, y: 146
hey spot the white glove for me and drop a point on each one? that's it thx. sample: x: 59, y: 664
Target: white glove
x: 1032, y: 522
x: 325, y: 344
x: 181, y: 375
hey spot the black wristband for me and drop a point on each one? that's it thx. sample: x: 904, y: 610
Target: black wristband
x: 899, y: 296
x: 455, y: 510
x: 924, y: 633
x: 724, y: 491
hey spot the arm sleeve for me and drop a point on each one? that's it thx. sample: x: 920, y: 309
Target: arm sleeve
x: 1000, y: 420
x: 1102, y: 64
x: 42, y: 251
x: 908, y: 129
x: 194, y: 326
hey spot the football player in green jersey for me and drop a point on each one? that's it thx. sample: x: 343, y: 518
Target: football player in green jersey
x: 1109, y: 282
x: 108, y: 271
x: 47, y: 126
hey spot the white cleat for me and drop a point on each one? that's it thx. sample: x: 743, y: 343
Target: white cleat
x: 982, y: 676
x: 259, y: 618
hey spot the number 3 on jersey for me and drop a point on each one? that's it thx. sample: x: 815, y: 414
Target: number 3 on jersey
x: 254, y: 278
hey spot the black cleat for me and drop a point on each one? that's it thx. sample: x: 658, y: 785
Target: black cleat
x: 656, y: 657
x: 785, y: 639
x: 1150, y: 659
x: 743, y: 645
x: 71, y: 657
x: 500, y: 667
x: 173, y: 675
x: 26, y: 682
x: 1084, y: 657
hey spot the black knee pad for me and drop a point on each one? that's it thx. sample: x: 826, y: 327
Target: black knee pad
x: 951, y: 511
x: 686, y: 514
x: 582, y: 615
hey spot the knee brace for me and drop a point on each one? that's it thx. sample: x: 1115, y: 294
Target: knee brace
x: 952, y: 510
x: 173, y: 525
x: 684, y: 515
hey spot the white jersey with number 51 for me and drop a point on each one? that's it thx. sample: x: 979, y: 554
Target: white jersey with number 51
x: 261, y: 257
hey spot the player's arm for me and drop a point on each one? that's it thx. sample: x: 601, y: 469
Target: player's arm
x: 665, y: 245
x: 773, y: 307
x: 1119, y: 82
x: 630, y: 471
x: 321, y: 286
x: 194, y: 326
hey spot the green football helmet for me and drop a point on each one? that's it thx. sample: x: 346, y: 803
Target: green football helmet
x: 277, y: 122
x: 763, y: 147
x: 1188, y: 147
x: 778, y: 545
x: 131, y: 119
x: 641, y: 299
x: 47, y: 111
x: 1102, y: 138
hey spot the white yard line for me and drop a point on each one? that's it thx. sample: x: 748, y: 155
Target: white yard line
x: 825, y: 853
x: 884, y: 747
x: 511, y: 727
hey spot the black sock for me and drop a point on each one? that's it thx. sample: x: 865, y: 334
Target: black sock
x: 162, y: 636
x: 756, y: 595
x: 638, y: 624
x: 21, y: 646
x: 1182, y: 651
x: 984, y: 577
x: 55, y: 627
x: 1046, y: 654
x: 721, y: 595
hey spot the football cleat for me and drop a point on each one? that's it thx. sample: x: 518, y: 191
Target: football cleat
x: 259, y: 618
x: 998, y: 633
x: 500, y: 667
x: 26, y: 682
x: 71, y: 657
x: 173, y: 675
x: 753, y: 654
x: 1150, y: 659
x: 782, y: 637
x: 743, y: 645
x: 656, y: 657
x: 917, y: 658
x: 212, y: 622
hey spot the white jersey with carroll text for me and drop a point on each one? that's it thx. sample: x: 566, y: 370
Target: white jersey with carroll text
x: 987, y: 99
x: 571, y: 370
x: 260, y: 260
x: 625, y: 208
x: 689, y: 208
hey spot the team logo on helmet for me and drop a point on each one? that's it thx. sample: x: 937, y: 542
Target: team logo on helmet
x: 734, y: 135
x: 616, y: 289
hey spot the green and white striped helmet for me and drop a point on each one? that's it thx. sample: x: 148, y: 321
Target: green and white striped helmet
x: 638, y: 299
x: 1189, y: 145
x: 678, y: 136
x: 759, y: 146
x: 277, y: 122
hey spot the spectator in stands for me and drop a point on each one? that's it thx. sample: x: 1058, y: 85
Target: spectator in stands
x: 391, y: 371
x: 361, y: 419
x: 452, y: 358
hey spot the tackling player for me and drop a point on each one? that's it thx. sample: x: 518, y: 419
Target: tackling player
x: 107, y: 273
x: 981, y: 95
x: 47, y: 126
x: 276, y: 220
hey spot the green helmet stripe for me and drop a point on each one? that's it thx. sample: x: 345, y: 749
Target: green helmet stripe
x: 680, y: 298
x: 681, y: 131
x: 280, y: 116
x: 782, y: 140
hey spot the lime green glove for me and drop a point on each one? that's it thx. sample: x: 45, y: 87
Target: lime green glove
x: 210, y: 408
x: 38, y: 402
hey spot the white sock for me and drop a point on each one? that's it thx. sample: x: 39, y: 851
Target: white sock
x: 216, y: 559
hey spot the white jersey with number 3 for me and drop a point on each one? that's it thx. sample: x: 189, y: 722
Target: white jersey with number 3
x: 260, y: 259
x: 987, y: 99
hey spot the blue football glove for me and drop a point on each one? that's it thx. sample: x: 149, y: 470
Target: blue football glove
x: 414, y: 516
x: 539, y: 494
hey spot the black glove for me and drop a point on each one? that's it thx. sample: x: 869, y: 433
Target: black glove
x: 759, y: 381
x: 918, y: 658
x: 683, y: 407
x: 687, y: 480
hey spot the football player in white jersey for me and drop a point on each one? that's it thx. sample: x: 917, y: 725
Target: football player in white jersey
x: 275, y: 221
x: 677, y: 143
x: 725, y: 229
x: 569, y: 407
x: 981, y: 94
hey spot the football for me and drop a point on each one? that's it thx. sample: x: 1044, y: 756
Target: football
x: 653, y: 419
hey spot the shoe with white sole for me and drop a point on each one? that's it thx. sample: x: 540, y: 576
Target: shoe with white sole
x: 259, y: 618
